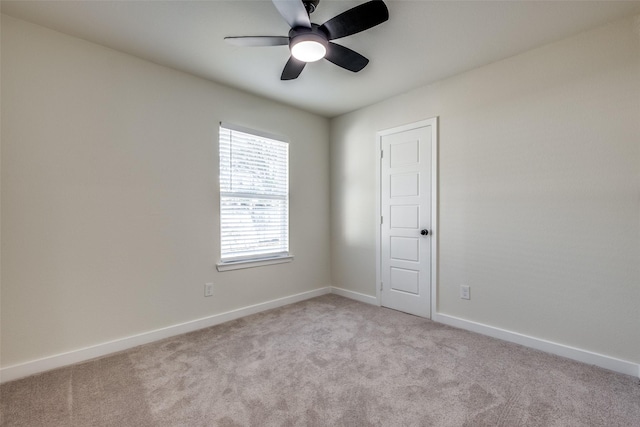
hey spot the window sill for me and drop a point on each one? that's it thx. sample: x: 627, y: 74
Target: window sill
x: 250, y: 263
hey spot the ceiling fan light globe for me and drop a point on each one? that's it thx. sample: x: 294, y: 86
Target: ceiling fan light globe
x: 308, y: 51
x: 308, y: 47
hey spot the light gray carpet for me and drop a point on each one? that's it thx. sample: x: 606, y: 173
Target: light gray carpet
x: 324, y: 362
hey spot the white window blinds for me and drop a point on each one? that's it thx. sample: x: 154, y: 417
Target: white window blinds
x: 254, y: 195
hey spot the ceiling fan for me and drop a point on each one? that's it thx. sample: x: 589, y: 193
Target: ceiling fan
x: 309, y: 42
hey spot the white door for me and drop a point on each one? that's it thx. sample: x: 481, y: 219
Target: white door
x: 407, y: 187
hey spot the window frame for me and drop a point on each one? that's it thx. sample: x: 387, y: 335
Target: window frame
x: 258, y: 260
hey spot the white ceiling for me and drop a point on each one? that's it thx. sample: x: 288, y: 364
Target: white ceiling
x: 423, y: 41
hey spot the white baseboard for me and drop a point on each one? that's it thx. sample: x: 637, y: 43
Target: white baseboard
x: 21, y: 370
x: 585, y: 356
x: 354, y: 295
x: 14, y: 372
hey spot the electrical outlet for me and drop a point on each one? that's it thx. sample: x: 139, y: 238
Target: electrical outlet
x: 465, y: 292
x: 208, y: 289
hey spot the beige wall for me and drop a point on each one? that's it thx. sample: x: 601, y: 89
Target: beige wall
x: 109, y: 198
x: 539, y: 172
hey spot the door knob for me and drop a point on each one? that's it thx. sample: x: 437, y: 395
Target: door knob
x: 424, y: 232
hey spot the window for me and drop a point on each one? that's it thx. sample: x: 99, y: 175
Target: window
x: 254, y: 198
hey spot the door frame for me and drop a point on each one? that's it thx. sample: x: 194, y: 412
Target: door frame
x: 433, y: 122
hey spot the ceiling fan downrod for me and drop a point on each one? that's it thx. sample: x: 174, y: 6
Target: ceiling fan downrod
x: 310, y: 5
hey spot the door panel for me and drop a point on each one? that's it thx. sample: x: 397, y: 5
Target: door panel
x: 405, y: 196
x: 406, y: 184
x: 407, y: 216
x: 404, y: 280
x: 404, y: 153
x: 405, y: 248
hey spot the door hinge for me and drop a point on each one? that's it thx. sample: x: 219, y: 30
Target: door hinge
x: 381, y: 154
x: 381, y: 220
x: 380, y: 285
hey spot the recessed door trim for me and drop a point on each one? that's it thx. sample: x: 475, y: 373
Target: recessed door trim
x: 433, y: 123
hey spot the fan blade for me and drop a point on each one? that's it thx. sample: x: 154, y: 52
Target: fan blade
x: 257, y: 41
x: 346, y: 58
x: 293, y: 69
x: 294, y: 12
x: 357, y: 19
